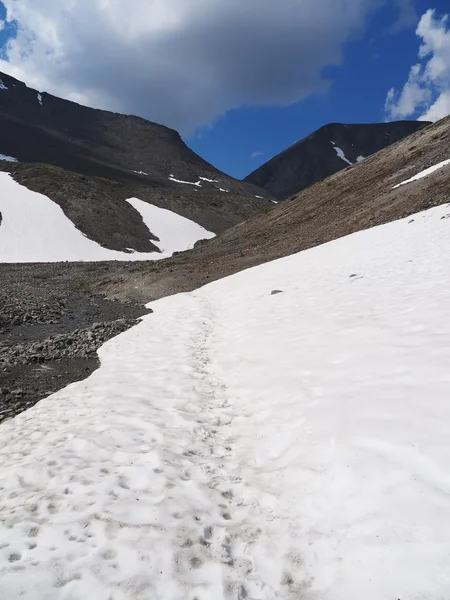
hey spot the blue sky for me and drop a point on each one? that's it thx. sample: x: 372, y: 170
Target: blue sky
x: 178, y: 84
x: 371, y: 66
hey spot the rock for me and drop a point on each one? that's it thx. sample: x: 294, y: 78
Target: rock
x: 274, y: 292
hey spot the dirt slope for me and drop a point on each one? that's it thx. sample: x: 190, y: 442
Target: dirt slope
x: 357, y: 198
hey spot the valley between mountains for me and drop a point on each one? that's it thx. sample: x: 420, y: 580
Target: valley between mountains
x: 221, y: 389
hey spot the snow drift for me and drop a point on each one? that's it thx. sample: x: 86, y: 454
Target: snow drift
x: 33, y: 228
x: 288, y: 445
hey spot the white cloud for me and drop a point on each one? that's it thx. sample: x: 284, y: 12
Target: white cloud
x: 427, y: 90
x: 256, y: 154
x: 182, y: 62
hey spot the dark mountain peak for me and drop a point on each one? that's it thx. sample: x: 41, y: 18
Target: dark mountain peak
x: 91, y: 161
x: 326, y: 151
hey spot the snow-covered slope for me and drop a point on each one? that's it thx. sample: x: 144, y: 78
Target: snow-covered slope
x: 271, y: 445
x: 33, y: 228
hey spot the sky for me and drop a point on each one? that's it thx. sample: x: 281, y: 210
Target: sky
x: 241, y: 81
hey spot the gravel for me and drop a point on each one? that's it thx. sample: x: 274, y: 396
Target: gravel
x: 51, y: 329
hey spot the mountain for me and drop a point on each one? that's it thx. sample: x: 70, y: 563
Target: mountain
x: 90, y: 162
x: 325, y: 152
x: 354, y: 199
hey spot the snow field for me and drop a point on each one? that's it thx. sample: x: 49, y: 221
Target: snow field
x: 238, y: 444
x: 35, y: 229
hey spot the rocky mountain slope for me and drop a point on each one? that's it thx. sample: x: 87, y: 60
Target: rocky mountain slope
x: 349, y: 201
x: 328, y: 150
x: 91, y: 162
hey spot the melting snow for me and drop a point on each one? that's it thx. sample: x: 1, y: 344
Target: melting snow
x: 197, y: 183
x: 341, y: 154
x: 35, y: 229
x: 209, y: 180
x: 8, y: 158
x: 213, y: 457
x: 2, y: 85
x: 174, y: 231
x: 39, y: 97
x: 424, y: 173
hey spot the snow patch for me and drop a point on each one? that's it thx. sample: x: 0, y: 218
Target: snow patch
x: 209, y: 180
x: 3, y: 86
x: 222, y: 190
x: 39, y: 98
x: 197, y: 183
x: 424, y: 173
x: 140, y: 173
x: 341, y: 154
x: 8, y: 158
x: 35, y: 229
x: 360, y: 158
x: 213, y: 457
x: 175, y: 232
x: 274, y: 201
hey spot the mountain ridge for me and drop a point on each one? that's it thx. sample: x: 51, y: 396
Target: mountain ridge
x: 326, y: 151
x: 91, y: 161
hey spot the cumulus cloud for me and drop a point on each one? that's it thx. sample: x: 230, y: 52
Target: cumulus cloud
x: 182, y: 62
x: 427, y: 90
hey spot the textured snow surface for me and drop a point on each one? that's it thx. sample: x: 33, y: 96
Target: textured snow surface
x: 341, y: 154
x: 8, y: 158
x: 238, y: 444
x: 424, y: 173
x: 35, y: 229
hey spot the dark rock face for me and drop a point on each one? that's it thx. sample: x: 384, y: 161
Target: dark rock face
x: 40, y: 128
x: 45, y: 129
x: 318, y: 156
x: 90, y: 161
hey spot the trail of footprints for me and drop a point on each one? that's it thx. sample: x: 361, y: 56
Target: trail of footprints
x: 197, y: 542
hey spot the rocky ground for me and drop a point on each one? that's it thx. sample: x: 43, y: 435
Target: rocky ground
x: 50, y: 330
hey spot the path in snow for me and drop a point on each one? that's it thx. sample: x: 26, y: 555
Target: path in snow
x: 238, y: 444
